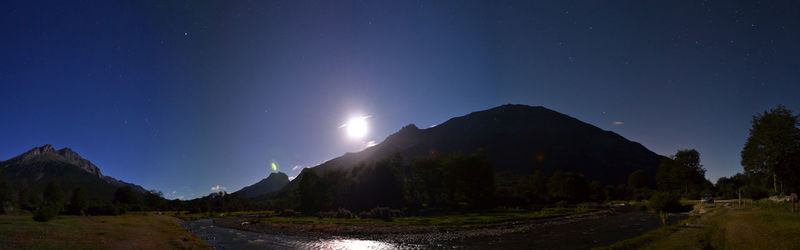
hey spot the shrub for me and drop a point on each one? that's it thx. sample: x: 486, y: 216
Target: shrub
x: 45, y: 213
x: 383, y: 213
x: 343, y: 213
x: 105, y: 210
x: 288, y: 213
x: 328, y: 214
x: 665, y: 202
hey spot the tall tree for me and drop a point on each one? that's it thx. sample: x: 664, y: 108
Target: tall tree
x: 6, y: 194
x: 154, y: 200
x: 533, y: 188
x: 312, y: 191
x: 569, y: 186
x: 53, y: 194
x: 689, y: 170
x: 637, y: 179
x: 79, y: 202
x: 773, y: 143
x: 682, y: 173
x: 125, y: 195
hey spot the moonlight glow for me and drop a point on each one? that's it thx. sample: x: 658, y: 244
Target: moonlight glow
x: 357, y: 127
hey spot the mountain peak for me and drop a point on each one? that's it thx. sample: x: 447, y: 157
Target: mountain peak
x: 48, y: 153
x: 409, y: 127
x: 280, y: 175
x: 35, y: 153
x: 48, y: 163
x: 273, y: 182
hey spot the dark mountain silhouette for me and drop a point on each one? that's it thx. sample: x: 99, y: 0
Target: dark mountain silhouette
x: 274, y: 182
x: 517, y: 139
x: 35, y: 168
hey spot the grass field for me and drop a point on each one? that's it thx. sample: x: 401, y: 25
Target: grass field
x: 130, y: 231
x: 764, y: 226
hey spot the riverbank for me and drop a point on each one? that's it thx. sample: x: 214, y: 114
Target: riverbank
x: 577, y: 231
x: 403, y: 232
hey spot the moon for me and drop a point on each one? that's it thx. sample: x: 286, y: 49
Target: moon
x: 357, y: 127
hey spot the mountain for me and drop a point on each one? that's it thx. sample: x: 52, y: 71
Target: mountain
x: 40, y: 165
x: 274, y: 182
x: 517, y: 139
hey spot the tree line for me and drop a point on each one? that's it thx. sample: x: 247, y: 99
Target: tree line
x: 463, y: 182
x: 54, y: 200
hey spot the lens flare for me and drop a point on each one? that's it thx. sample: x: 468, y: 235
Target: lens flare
x: 274, y: 167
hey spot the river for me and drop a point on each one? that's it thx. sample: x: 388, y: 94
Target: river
x: 556, y: 233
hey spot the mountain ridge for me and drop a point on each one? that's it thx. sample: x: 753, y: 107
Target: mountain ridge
x: 517, y: 138
x: 47, y: 155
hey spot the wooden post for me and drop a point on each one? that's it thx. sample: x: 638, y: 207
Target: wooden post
x: 740, y: 197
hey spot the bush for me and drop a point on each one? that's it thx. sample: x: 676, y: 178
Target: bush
x: 665, y: 202
x: 329, y: 214
x: 344, y: 213
x: 45, y: 213
x: 105, y: 210
x: 287, y: 213
x: 383, y: 213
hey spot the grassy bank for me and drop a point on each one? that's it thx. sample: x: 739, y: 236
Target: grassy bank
x: 445, y: 220
x: 764, y: 226
x: 138, y: 231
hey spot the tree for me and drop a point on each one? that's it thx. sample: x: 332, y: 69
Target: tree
x: 596, y: 191
x: 667, y: 178
x: 54, y: 196
x: 423, y: 186
x: 6, y: 194
x: 569, y: 186
x: 682, y: 173
x: 154, y: 200
x: 637, y: 179
x: 125, y: 196
x: 45, y: 213
x: 469, y: 180
x: 689, y: 171
x: 665, y: 202
x: 311, y: 191
x: 773, y: 145
x: 533, y: 188
x: 79, y: 202
x: 29, y: 199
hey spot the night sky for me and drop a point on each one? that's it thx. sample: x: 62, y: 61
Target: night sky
x: 188, y: 96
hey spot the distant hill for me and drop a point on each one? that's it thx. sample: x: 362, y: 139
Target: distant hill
x: 274, y: 182
x: 517, y: 139
x: 35, y: 168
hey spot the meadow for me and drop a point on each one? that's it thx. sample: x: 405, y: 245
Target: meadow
x: 444, y: 220
x: 132, y: 230
x: 762, y: 225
